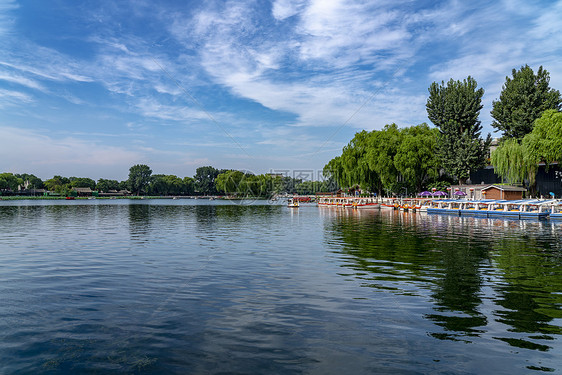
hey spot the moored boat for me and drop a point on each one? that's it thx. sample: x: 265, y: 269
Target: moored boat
x: 365, y: 203
x: 556, y: 210
x: 293, y: 203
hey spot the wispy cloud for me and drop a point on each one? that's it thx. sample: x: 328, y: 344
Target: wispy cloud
x: 13, y: 98
x: 37, y: 153
x: 279, y: 79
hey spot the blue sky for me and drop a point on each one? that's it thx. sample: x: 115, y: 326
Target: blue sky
x: 90, y: 88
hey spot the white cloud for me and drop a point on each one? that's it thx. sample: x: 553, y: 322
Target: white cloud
x: 13, y: 98
x: 6, y: 20
x: 42, y: 154
x: 283, y: 9
x: 20, y: 80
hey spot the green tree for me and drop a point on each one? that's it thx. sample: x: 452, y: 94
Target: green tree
x: 333, y: 170
x: 58, y: 184
x: 107, y: 185
x: 161, y: 184
x: 205, y: 179
x: 30, y: 181
x: 523, y: 99
x: 8, y: 181
x: 124, y: 185
x: 509, y: 162
x: 454, y: 109
x: 519, y: 161
x: 544, y: 143
x: 188, y: 185
x: 139, y: 177
x: 82, y: 182
x: 415, y: 157
x: 229, y: 182
x: 383, y: 146
x: 355, y: 160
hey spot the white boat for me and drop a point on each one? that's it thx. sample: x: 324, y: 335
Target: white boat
x: 365, y: 203
x: 521, y: 209
x: 293, y: 203
x: 556, y: 210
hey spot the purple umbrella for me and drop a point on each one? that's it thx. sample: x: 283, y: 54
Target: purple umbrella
x: 440, y: 193
x: 460, y: 193
x: 424, y: 194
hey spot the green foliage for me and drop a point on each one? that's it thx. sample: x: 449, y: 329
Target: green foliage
x: 9, y: 181
x: 454, y: 109
x: 205, y: 179
x: 30, y: 181
x: 523, y: 99
x: 544, y: 143
x: 82, y: 182
x: 509, y: 161
x: 415, y: 158
x: 383, y: 146
x: 392, y: 159
x: 58, y: 184
x: 166, y: 185
x: 335, y: 171
x: 519, y: 161
x: 229, y: 182
x: 107, y: 185
x: 188, y: 185
x: 139, y: 177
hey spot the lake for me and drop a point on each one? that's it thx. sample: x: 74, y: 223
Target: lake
x: 211, y: 287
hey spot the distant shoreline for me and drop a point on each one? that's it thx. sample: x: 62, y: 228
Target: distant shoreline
x: 132, y: 197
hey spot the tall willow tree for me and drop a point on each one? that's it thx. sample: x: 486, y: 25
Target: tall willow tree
x: 355, y: 160
x: 334, y: 170
x: 383, y: 146
x: 519, y: 161
x: 415, y: 157
x: 454, y: 109
x: 509, y: 162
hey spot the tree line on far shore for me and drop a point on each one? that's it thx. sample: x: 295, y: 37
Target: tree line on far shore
x: 207, y: 181
x: 397, y: 160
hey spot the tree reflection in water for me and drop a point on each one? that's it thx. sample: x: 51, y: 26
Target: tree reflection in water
x: 462, y: 261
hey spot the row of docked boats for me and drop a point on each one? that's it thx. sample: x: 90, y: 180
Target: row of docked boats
x: 521, y: 209
x: 359, y: 203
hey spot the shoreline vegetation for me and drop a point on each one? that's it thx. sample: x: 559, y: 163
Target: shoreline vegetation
x: 131, y: 197
x: 207, y: 182
x: 395, y: 160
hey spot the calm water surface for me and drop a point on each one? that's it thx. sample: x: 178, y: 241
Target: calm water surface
x: 212, y: 287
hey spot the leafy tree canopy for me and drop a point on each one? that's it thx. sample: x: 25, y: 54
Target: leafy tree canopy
x: 139, y: 177
x: 30, y: 181
x: 82, y: 182
x: 9, y: 181
x: 205, y: 179
x: 519, y: 161
x: 107, y: 185
x: 454, y: 109
x: 416, y: 157
x: 524, y: 97
x: 544, y: 143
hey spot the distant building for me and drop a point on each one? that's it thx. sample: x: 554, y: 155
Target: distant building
x: 83, y: 192
x: 546, y: 181
x: 506, y: 192
x: 470, y: 191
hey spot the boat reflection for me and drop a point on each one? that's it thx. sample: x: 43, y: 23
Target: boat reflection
x: 479, y: 273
